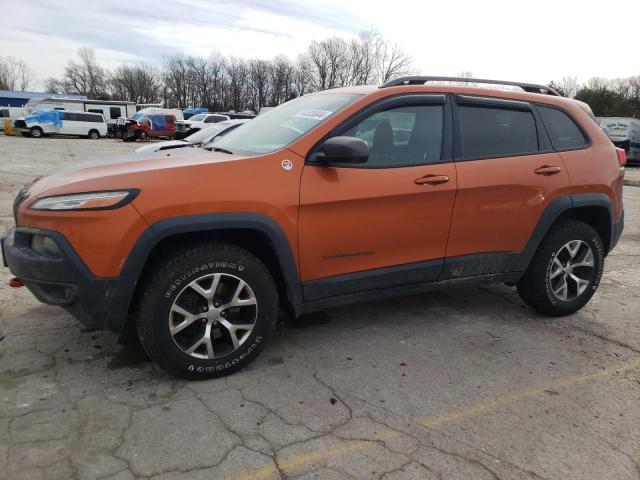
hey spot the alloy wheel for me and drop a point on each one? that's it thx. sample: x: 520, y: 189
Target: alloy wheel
x: 572, y: 270
x: 213, y: 316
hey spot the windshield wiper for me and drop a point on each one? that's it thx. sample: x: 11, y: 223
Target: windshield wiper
x: 223, y: 150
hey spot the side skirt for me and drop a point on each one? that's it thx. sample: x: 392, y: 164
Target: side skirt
x: 403, y: 290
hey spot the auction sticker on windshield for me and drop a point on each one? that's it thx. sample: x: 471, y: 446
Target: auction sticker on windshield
x: 313, y: 114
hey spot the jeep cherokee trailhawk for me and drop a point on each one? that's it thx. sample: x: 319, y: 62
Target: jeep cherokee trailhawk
x: 339, y: 196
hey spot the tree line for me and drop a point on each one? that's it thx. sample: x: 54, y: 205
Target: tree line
x: 222, y: 83
x: 618, y: 97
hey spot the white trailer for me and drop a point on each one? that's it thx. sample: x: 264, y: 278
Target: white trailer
x: 624, y: 133
x: 110, y: 109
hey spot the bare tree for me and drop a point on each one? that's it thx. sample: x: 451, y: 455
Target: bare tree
x: 392, y: 61
x: 137, y: 83
x: 15, y: 74
x: 86, y: 77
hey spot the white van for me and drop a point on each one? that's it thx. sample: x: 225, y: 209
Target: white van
x: 56, y: 122
x: 110, y: 109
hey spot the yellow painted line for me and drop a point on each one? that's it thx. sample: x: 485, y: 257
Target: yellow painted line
x: 432, y: 421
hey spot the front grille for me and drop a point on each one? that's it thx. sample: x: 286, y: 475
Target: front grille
x: 22, y: 194
x: 20, y: 124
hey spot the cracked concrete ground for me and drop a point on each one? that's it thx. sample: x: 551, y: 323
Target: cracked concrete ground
x: 465, y: 383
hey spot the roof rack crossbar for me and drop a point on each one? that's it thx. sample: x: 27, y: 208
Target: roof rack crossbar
x: 420, y: 80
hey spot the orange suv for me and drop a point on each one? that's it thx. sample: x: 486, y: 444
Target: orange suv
x: 339, y: 196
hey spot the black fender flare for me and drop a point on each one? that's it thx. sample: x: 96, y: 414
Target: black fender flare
x: 122, y: 288
x: 552, y: 212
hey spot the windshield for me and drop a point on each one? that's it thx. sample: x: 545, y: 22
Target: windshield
x: 279, y: 127
x: 138, y: 116
x: 197, y: 118
x: 206, y: 133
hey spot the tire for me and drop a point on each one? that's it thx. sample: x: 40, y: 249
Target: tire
x: 36, y: 132
x: 549, y: 285
x: 93, y: 135
x: 185, y: 351
x: 111, y: 134
x: 143, y: 137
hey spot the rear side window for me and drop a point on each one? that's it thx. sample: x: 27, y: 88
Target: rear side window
x: 95, y: 110
x: 114, y: 112
x: 82, y: 117
x: 563, y: 131
x: 496, y: 132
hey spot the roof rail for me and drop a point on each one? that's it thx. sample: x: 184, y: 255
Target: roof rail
x: 420, y: 80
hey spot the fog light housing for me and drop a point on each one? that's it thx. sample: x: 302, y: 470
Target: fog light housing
x: 45, y: 246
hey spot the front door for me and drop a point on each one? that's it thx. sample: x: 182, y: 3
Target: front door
x: 388, y: 218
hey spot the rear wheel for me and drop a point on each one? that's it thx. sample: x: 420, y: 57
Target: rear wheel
x: 565, y: 271
x: 143, y: 136
x: 207, y: 311
x: 36, y: 132
x: 94, y: 135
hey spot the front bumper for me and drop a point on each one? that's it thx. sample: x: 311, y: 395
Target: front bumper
x: 62, y: 280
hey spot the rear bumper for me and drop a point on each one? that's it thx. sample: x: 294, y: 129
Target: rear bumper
x: 616, y: 231
x: 63, y: 280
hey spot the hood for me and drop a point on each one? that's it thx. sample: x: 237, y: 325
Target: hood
x: 168, y: 145
x: 110, y: 173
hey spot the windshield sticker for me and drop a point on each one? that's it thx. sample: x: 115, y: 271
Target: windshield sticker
x: 313, y: 114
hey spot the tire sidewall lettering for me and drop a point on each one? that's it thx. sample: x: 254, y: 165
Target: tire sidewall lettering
x: 194, y: 368
x: 203, y: 269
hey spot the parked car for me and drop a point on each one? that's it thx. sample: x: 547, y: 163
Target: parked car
x: 190, y: 112
x: 345, y: 195
x: 57, y: 122
x: 203, y: 137
x: 123, y: 123
x: 184, y: 128
x: 155, y: 125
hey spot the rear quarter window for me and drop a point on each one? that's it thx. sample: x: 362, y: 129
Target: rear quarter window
x: 562, y: 129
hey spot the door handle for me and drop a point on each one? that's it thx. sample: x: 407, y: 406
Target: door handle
x: 547, y: 170
x: 432, y: 180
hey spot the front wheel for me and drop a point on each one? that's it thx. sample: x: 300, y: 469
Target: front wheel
x: 94, y: 135
x: 565, y: 271
x: 207, y: 311
x: 143, y: 136
x: 36, y: 132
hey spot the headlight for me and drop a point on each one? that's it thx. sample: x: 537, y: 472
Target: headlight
x: 86, y: 201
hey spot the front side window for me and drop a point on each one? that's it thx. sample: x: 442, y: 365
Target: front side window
x: 563, y: 131
x: 197, y: 118
x: 408, y: 135
x: 284, y: 124
x: 496, y: 132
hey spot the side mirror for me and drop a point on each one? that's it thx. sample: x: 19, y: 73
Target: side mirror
x: 343, y: 150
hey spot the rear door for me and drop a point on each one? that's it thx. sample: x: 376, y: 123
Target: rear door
x: 392, y: 211
x: 507, y: 175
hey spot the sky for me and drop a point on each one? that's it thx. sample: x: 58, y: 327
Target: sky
x: 508, y: 40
